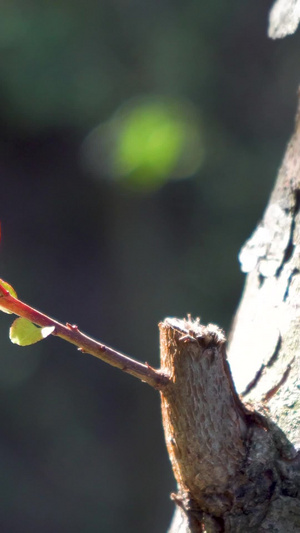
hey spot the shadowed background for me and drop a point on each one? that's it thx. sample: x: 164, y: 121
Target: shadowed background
x: 139, y: 142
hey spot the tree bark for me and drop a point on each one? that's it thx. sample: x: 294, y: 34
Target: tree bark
x: 242, y: 474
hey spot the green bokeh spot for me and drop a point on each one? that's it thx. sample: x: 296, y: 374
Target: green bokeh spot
x: 154, y: 141
x: 149, y: 144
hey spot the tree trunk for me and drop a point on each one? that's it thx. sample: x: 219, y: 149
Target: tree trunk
x: 241, y: 470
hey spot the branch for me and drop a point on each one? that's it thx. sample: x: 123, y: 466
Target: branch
x: 155, y: 378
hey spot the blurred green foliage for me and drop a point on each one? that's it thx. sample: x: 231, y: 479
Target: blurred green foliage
x: 147, y: 142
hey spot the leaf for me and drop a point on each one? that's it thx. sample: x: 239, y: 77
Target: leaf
x: 11, y: 291
x: 23, y: 332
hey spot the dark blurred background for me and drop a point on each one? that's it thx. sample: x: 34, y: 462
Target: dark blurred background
x: 139, y: 143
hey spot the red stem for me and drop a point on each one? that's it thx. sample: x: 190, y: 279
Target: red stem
x: 71, y: 333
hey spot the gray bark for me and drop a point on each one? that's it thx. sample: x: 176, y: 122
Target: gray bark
x: 264, y: 355
x: 284, y: 18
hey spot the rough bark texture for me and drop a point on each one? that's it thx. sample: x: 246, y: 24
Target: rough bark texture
x: 265, y: 334
x: 260, y: 490
x: 200, y: 431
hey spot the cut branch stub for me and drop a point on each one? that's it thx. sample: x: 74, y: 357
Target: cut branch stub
x: 204, y: 422
x: 235, y: 469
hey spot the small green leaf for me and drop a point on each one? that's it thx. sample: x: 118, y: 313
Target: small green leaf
x: 23, y: 332
x: 11, y: 291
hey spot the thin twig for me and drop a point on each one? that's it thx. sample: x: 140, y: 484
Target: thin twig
x: 71, y: 333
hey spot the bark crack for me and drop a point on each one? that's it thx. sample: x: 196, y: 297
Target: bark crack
x: 276, y: 387
x: 262, y: 370
x: 276, y: 352
x: 290, y: 245
x: 294, y: 272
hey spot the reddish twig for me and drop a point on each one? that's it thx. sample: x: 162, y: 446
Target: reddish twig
x: 71, y: 333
